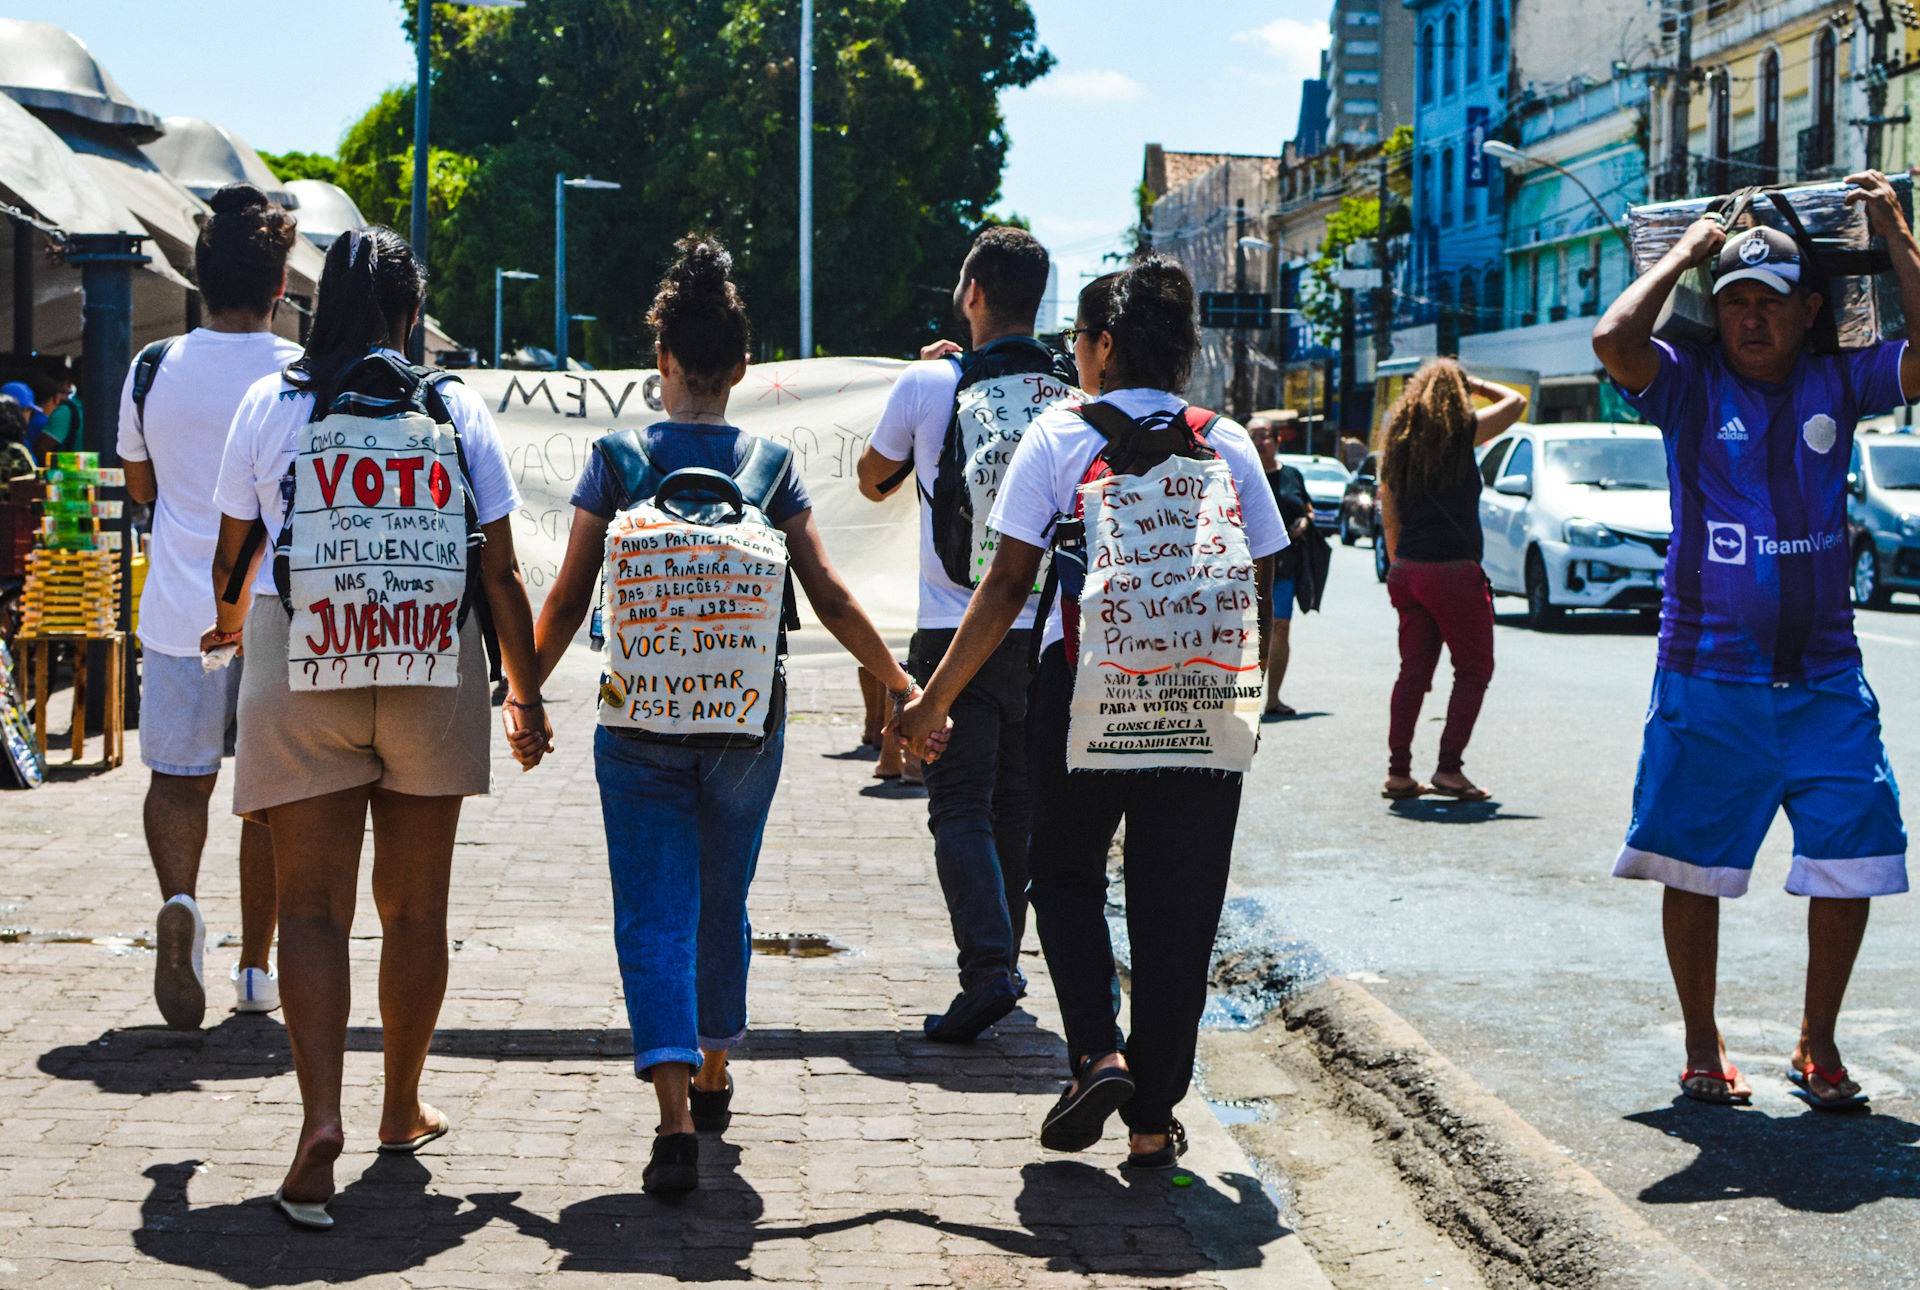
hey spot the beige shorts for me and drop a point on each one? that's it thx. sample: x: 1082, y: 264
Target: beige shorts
x: 421, y: 740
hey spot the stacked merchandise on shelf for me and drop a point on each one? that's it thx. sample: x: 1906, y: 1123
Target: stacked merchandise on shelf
x: 73, y: 576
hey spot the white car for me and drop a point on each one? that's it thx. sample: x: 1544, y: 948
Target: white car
x: 1327, y: 483
x: 1575, y: 516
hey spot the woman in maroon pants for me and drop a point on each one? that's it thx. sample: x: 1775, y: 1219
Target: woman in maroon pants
x: 1429, y: 505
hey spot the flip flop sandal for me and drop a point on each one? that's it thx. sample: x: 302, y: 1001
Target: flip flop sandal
x: 1406, y: 794
x: 1473, y: 793
x: 412, y: 1145
x: 1801, y: 1079
x: 1725, y: 1097
x: 311, y: 1215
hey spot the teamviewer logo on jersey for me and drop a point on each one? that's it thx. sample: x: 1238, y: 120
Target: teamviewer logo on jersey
x: 1726, y: 543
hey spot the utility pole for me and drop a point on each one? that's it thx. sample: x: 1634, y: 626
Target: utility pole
x: 806, y: 178
x: 1383, y: 260
x: 1678, y: 182
x: 1349, y: 341
x: 423, y: 51
x: 1240, y: 399
x: 1881, y: 28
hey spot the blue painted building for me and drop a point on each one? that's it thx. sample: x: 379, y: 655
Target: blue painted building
x: 1460, y: 100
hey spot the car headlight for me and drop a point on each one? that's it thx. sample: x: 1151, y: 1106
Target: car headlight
x: 1588, y: 533
x: 1909, y: 525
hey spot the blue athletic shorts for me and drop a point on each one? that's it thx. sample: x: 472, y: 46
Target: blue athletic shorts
x: 1721, y: 757
x: 1282, y: 599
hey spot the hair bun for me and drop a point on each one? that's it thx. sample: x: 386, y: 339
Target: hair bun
x: 234, y: 198
x: 704, y: 264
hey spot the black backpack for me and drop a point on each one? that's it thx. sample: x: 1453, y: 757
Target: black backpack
x: 951, y: 503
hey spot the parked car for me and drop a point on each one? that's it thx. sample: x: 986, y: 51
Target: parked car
x: 1575, y: 516
x: 1326, y: 486
x: 1883, y: 517
x: 1360, y: 504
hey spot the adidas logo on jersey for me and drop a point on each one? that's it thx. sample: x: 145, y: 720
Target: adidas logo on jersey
x: 1734, y: 431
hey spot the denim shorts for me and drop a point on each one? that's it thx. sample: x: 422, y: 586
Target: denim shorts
x: 186, y: 713
x: 1721, y: 758
x: 1282, y: 599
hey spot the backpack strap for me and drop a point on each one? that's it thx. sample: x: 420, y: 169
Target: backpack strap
x: 436, y: 406
x: 626, y: 455
x: 1825, y: 329
x: 146, y: 368
x: 763, y: 472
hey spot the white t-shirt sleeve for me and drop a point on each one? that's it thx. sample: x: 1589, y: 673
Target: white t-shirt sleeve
x: 133, y: 440
x: 1028, y: 502
x: 237, y: 492
x: 1266, y: 533
x: 494, y: 494
x: 907, y: 406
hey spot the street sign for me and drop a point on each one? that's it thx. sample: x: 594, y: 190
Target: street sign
x: 1236, y: 310
x: 1356, y: 279
x: 1479, y: 173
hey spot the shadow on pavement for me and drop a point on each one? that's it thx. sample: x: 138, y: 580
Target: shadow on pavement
x: 1021, y: 1057
x: 1447, y: 810
x: 1816, y: 1161
x: 1076, y: 1218
x: 1590, y: 623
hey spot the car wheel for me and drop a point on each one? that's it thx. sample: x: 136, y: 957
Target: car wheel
x: 1542, y: 614
x: 1868, y: 591
x: 1380, y: 562
x: 1347, y: 536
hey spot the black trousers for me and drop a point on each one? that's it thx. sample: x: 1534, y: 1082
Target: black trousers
x: 1179, y: 847
x: 979, y: 805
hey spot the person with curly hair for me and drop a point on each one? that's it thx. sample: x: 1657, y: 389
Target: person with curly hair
x: 1430, y: 508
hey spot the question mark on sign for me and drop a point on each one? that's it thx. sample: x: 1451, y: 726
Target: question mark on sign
x: 373, y: 661
x: 341, y: 663
x: 406, y: 661
x: 750, y: 698
x: 313, y: 671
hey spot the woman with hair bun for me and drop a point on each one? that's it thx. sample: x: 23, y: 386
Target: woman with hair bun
x: 317, y: 762
x: 1134, y: 338
x: 685, y: 812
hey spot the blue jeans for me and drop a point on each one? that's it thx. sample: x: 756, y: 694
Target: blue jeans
x: 683, y: 839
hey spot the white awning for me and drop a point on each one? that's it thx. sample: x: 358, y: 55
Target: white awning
x: 1553, y: 349
x: 203, y: 158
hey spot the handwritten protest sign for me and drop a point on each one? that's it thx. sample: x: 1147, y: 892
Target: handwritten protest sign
x: 992, y: 415
x: 1169, y: 670
x: 692, y: 623
x: 377, y: 555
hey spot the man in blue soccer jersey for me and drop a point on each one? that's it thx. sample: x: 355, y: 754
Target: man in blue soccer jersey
x: 1759, y: 701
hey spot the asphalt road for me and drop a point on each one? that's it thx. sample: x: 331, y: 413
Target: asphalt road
x: 1498, y: 932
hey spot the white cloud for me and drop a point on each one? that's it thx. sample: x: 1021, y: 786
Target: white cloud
x: 1295, y: 43
x: 1093, y: 85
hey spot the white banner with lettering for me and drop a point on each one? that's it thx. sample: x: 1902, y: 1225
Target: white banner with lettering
x: 1169, y: 670
x: 823, y: 408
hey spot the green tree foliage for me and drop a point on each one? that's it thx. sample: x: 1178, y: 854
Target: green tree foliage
x: 1357, y: 219
x: 302, y: 165
x: 691, y: 105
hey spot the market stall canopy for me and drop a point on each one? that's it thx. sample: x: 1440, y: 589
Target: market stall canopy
x: 203, y: 157
x: 169, y: 212
x: 325, y: 211
x: 40, y: 174
x: 47, y: 69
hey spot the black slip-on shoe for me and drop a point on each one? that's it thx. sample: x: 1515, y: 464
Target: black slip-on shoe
x: 1080, y: 1116
x: 712, y: 1111
x: 675, y: 1167
x: 972, y: 1011
x: 1165, y: 1157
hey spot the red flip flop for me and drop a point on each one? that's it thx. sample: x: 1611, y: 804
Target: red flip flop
x: 1725, y: 1097
x: 1802, y: 1080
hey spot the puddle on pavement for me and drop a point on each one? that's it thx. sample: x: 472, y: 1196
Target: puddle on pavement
x: 798, y: 945
x: 1235, y: 1112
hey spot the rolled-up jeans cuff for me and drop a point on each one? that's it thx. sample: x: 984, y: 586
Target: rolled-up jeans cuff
x: 722, y: 1045
x: 644, y: 1062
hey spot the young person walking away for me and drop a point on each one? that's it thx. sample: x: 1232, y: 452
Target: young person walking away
x: 1430, y: 509
x: 685, y: 808
x: 178, y: 400
x: 394, y: 722
x: 1299, y: 572
x: 1759, y: 700
x: 953, y: 413
x: 1134, y: 341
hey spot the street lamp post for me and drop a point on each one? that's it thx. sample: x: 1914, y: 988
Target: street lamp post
x: 560, y: 185
x: 422, y: 93
x: 1508, y: 155
x: 806, y: 178
x: 500, y: 276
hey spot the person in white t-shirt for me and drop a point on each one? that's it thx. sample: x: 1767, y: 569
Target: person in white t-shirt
x: 1135, y: 337
x: 171, y: 440
x: 318, y: 764
x: 979, y: 806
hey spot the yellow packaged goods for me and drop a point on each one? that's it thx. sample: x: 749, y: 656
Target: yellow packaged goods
x: 71, y: 593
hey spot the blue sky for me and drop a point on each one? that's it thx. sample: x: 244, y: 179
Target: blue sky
x: 1207, y: 75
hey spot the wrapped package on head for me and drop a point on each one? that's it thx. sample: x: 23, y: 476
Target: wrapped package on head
x: 1849, y: 266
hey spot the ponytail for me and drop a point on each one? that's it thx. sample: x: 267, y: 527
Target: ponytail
x: 372, y: 286
x: 1148, y: 309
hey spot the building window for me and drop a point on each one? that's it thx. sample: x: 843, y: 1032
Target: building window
x: 1719, y: 131
x: 1816, y: 142
x: 1473, y: 42
x: 1427, y: 212
x: 1360, y: 78
x: 1449, y: 54
x: 1426, y: 63
x: 1360, y: 18
x: 1446, y: 188
x: 1361, y: 49
x: 1496, y: 303
x: 1497, y: 44
x: 1361, y: 107
x: 1769, y: 120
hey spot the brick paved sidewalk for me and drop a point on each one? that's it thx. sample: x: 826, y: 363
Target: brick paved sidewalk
x: 860, y: 1154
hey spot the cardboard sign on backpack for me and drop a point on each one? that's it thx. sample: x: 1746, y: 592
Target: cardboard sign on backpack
x: 1168, y: 675
x: 989, y: 418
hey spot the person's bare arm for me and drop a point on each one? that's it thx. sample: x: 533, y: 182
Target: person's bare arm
x: 879, y: 474
x: 1498, y: 417
x: 1389, y: 520
x: 995, y: 606
x: 1873, y: 192
x: 528, y: 729
x: 1623, y: 339
x: 142, y: 485
x: 571, y: 594
x: 834, y: 605
x: 229, y: 616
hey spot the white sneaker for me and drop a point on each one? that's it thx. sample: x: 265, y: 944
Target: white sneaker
x: 255, y: 990
x: 179, y: 983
